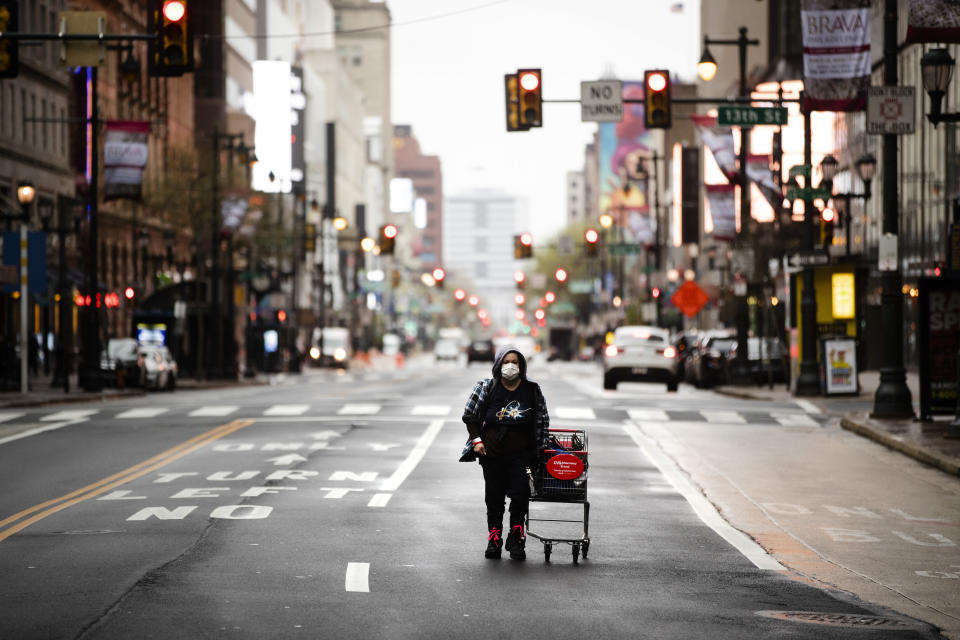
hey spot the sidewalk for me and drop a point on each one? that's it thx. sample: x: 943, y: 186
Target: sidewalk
x: 923, y: 441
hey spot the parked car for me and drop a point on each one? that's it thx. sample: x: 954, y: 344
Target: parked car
x: 446, y: 349
x: 336, y: 347
x: 685, y: 343
x: 480, y: 351
x: 707, y: 365
x: 122, y: 361
x: 160, y: 368
x: 640, y: 354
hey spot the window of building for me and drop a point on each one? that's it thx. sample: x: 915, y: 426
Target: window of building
x: 33, y: 120
x: 480, y: 245
x: 480, y: 218
x: 44, y: 124
x: 480, y: 269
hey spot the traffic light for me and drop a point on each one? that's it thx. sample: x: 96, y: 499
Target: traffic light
x: 9, y: 49
x: 170, y: 52
x: 828, y: 219
x: 388, y: 235
x: 657, y: 98
x: 523, y: 246
x: 129, y: 293
x: 530, y: 102
x: 591, y: 236
x: 438, y: 276
x: 512, y: 94
x: 520, y: 278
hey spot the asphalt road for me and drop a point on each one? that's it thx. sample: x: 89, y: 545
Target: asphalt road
x: 333, y: 506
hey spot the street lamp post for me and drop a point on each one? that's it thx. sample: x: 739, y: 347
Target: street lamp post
x: 808, y: 379
x: 707, y: 68
x: 866, y: 165
x: 25, y: 195
x: 893, y: 397
x: 61, y: 372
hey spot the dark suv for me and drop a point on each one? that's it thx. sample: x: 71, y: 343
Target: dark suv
x: 480, y: 351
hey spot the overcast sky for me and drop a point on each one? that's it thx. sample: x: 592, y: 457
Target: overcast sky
x: 449, y: 59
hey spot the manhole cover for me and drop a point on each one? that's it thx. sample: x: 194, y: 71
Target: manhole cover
x: 835, y: 619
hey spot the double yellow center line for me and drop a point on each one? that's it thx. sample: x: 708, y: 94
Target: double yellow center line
x: 22, y: 520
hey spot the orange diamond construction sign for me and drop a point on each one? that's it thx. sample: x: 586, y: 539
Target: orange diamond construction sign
x: 689, y: 298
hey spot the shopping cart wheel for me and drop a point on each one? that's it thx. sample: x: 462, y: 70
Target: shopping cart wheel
x: 585, y: 547
x: 576, y: 553
x: 547, y: 548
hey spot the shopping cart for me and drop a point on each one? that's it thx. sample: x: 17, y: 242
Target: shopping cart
x: 561, y: 476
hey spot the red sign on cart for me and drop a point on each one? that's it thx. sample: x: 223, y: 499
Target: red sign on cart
x: 565, y: 466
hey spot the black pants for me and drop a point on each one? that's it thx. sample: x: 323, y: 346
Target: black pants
x: 502, y: 477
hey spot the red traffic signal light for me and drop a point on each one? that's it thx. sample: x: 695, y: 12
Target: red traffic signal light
x: 390, y: 231
x: 655, y: 292
x: 170, y: 52
x: 591, y: 236
x: 550, y: 297
x: 561, y: 275
x: 539, y: 314
x: 530, y: 99
x: 519, y: 298
x: 656, y: 87
x: 828, y: 215
x: 388, y: 234
x: 281, y: 316
x: 459, y: 295
x: 519, y: 276
x: 129, y: 293
x: 526, y: 239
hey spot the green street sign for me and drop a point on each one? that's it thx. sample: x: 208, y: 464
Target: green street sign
x: 750, y: 116
x: 623, y: 249
x: 811, y: 194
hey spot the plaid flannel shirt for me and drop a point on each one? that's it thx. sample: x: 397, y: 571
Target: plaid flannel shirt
x: 476, y: 406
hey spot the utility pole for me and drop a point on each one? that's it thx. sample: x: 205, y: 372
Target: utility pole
x: 90, y: 378
x: 808, y: 380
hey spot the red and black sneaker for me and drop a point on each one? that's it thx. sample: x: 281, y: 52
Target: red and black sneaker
x: 494, y: 543
x: 516, y: 541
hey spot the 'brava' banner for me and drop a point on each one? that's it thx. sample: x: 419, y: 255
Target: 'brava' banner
x: 836, y: 54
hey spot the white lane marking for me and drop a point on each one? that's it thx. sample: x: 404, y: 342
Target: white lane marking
x: 359, y: 410
x: 416, y: 455
x: 214, y: 410
x: 287, y: 410
x: 794, y: 419
x: 4, y: 417
x: 725, y: 417
x: 807, y: 406
x: 650, y: 415
x: 701, y: 506
x: 358, y: 577
x: 69, y: 415
x: 575, y: 413
x: 143, y: 412
x: 431, y: 410
x: 32, y: 432
x: 379, y: 500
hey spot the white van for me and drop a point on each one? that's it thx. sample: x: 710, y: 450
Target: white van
x: 336, y: 347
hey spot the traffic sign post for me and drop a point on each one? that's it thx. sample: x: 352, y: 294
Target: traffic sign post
x: 891, y: 110
x: 601, y: 101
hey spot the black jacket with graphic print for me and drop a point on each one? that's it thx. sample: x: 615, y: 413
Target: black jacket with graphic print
x: 478, y: 404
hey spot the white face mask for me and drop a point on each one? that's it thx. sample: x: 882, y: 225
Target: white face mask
x: 510, y: 371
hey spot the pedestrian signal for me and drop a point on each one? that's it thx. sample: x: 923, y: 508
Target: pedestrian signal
x: 657, y: 99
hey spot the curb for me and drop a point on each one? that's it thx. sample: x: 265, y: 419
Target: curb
x: 68, y: 399
x: 917, y: 453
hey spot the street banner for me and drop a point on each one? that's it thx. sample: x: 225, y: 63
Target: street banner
x: 760, y: 174
x: 36, y: 260
x: 623, y: 157
x: 723, y: 210
x: 125, y: 155
x: 933, y: 21
x: 720, y: 142
x: 938, y: 338
x: 836, y: 54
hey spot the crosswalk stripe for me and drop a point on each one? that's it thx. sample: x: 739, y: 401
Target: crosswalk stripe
x: 726, y: 417
x: 358, y: 409
x: 650, y: 415
x: 143, y: 412
x: 10, y: 416
x: 807, y: 406
x: 575, y: 413
x: 794, y: 419
x: 214, y: 410
x: 70, y: 414
x: 358, y: 577
x: 287, y: 410
x: 431, y: 410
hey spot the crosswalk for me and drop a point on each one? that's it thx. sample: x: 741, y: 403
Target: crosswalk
x: 564, y: 415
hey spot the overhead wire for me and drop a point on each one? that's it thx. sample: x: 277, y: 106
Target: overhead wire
x: 389, y: 25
